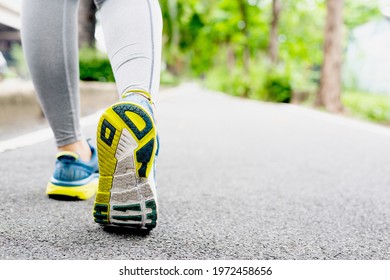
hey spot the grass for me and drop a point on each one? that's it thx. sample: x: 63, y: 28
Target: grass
x: 367, y: 106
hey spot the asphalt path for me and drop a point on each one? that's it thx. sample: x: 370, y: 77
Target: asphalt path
x: 237, y: 179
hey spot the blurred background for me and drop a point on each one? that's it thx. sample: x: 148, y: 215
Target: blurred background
x: 330, y: 54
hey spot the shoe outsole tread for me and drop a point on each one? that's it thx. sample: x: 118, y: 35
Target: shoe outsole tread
x: 126, y: 143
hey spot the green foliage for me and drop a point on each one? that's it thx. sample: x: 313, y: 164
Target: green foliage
x: 278, y: 88
x: 367, y: 106
x: 301, y: 40
x: 226, y: 42
x: 235, y: 83
x: 225, y: 38
x: 235, y: 80
x: 352, y: 18
x: 95, y: 66
x: 195, y: 31
x: 18, y: 65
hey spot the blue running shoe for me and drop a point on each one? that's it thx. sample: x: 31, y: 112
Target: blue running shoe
x: 74, y: 178
x: 127, y: 145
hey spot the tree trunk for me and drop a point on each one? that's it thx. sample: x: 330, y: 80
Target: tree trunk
x: 329, y: 93
x: 87, y: 23
x: 175, y: 62
x: 231, y: 58
x: 273, y: 42
x: 245, y: 19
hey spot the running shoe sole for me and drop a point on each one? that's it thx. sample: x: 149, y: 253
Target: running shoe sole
x: 127, y: 143
x: 82, y: 192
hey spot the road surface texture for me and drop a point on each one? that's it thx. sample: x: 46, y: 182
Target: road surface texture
x: 237, y: 179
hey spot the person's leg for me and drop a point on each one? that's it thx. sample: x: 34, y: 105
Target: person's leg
x: 127, y: 135
x: 132, y: 31
x: 49, y: 37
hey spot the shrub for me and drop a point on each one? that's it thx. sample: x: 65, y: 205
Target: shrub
x: 236, y: 82
x: 95, y: 66
x: 17, y: 64
x: 367, y: 106
x: 278, y: 88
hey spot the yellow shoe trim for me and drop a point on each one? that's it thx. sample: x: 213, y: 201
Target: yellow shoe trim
x: 144, y: 93
x: 83, y: 192
x: 137, y: 120
x: 67, y: 153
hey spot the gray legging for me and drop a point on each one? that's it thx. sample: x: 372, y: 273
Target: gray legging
x: 132, y: 31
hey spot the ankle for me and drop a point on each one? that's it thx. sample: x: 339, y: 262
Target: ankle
x: 80, y: 147
x: 137, y: 92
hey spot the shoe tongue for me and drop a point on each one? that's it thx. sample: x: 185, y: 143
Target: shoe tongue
x: 67, y: 156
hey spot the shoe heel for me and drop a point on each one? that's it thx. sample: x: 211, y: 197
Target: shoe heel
x: 127, y: 143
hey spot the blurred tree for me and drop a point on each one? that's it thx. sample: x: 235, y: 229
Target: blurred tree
x: 274, y: 36
x: 232, y: 41
x: 329, y: 92
x: 300, y: 42
x: 87, y: 23
x: 243, y: 4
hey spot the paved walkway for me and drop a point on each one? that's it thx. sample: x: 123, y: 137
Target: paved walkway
x: 238, y: 179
